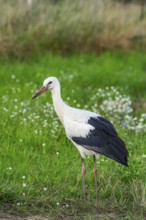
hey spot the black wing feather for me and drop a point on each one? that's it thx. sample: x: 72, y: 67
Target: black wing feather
x: 104, y: 140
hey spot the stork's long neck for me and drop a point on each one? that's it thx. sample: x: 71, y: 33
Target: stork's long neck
x: 58, y: 102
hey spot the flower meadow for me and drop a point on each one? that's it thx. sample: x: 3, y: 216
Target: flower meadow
x: 115, y: 106
x: 118, y: 107
x: 40, y: 168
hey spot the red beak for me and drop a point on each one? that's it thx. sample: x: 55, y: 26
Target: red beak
x: 42, y: 90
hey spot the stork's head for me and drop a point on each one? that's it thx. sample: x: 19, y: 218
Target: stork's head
x: 49, y: 84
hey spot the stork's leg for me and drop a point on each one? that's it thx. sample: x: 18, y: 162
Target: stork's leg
x: 95, y: 177
x: 83, y: 177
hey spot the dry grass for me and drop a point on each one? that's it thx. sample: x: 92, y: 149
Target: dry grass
x: 69, y: 26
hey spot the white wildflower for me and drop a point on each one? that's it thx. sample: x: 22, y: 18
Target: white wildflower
x: 24, y: 184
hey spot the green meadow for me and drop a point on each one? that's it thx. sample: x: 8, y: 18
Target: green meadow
x: 40, y: 170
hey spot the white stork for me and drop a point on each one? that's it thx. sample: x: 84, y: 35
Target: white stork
x: 89, y: 132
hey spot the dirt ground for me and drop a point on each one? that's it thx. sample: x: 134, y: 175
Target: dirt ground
x: 4, y: 216
x: 12, y: 217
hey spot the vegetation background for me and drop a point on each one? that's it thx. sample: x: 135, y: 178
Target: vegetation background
x: 31, y: 27
x: 97, y: 50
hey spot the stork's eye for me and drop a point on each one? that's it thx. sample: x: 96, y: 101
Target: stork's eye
x: 49, y: 83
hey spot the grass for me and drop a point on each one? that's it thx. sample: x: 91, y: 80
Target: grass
x: 40, y: 168
x: 66, y: 27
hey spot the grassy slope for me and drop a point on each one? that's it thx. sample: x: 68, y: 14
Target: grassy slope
x: 39, y: 153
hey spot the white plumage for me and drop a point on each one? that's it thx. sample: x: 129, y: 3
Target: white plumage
x: 88, y: 131
x: 76, y: 124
